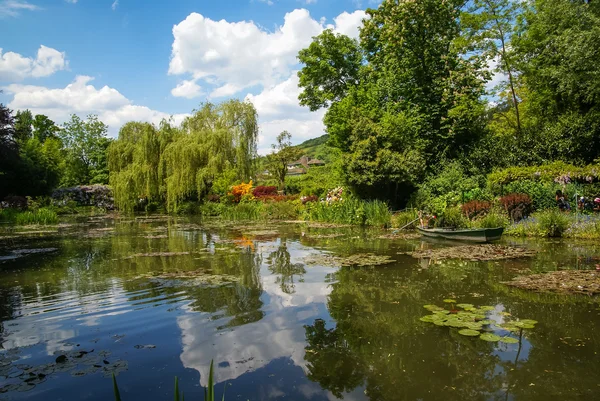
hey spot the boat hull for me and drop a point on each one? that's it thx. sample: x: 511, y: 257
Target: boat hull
x: 475, y: 235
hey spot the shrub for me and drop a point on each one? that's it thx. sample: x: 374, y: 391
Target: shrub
x: 517, y: 206
x: 40, y: 216
x: 309, y: 198
x: 452, y: 218
x: 100, y: 196
x: 213, y: 198
x: 492, y: 220
x: 188, y: 207
x: 239, y: 191
x: 403, y: 218
x: 14, y: 202
x: 552, y: 222
x: 475, y: 208
x: 280, y: 211
x: 244, y: 211
x: 262, y: 191
x: 350, y: 211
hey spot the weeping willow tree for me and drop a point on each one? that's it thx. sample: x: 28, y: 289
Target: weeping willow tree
x: 134, y: 163
x: 171, y: 164
x: 215, y: 140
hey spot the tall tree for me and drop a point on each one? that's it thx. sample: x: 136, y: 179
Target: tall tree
x: 85, y: 143
x: 23, y: 125
x: 9, y: 151
x: 44, y: 128
x: 489, y: 26
x: 283, y: 154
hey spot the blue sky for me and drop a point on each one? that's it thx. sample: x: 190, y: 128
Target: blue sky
x: 144, y: 60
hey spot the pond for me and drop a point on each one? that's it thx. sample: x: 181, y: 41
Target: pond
x: 283, y: 313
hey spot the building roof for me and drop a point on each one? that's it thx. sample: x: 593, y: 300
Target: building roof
x: 316, y: 161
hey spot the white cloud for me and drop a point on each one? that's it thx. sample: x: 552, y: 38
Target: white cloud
x: 12, y: 8
x: 114, y: 5
x: 15, y: 67
x: 82, y: 98
x: 229, y: 57
x: 188, y: 89
x: 72, y: 1
x: 239, y: 55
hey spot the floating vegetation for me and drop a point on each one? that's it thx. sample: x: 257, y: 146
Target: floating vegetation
x: 404, y: 236
x: 565, y: 281
x: 322, y: 236
x: 474, y: 252
x: 156, y: 236
x: 193, y: 277
x: 156, y: 254
x: 475, y: 322
x: 23, y: 377
x: 359, y: 259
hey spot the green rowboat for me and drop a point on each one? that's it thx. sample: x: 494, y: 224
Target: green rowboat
x: 471, y: 235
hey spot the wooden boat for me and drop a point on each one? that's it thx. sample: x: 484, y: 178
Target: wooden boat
x: 471, y: 235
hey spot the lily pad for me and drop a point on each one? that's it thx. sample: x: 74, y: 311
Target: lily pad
x: 428, y: 319
x: 509, y: 340
x: 432, y: 307
x: 523, y: 325
x: 464, y: 306
x: 490, y: 337
x: 468, y: 332
x: 450, y: 301
x: 487, y: 308
x: 528, y: 321
x: 441, y: 312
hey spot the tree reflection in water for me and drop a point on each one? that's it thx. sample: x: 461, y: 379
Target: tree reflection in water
x: 280, y: 264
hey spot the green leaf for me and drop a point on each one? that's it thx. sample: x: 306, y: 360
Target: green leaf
x: 116, y: 388
x: 450, y: 301
x: 468, y: 332
x: 509, y: 340
x: 464, y: 306
x: 176, y: 393
x: 489, y: 337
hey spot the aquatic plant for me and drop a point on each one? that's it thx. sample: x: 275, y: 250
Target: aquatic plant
x: 40, y: 216
x: 552, y: 222
x: 209, y: 390
x: 350, y: 211
x: 492, y: 220
x: 475, y: 322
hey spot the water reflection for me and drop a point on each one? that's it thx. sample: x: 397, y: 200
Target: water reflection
x: 280, y: 329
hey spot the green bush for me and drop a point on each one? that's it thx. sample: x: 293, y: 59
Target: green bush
x: 8, y: 215
x: 452, y: 217
x: 542, y: 194
x: 350, y: 211
x: 552, y: 222
x: 39, y: 216
x: 493, y: 219
x: 212, y: 209
x: 281, y: 210
x: 244, y: 211
x: 403, y: 218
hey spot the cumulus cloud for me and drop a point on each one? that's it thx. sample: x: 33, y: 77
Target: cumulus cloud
x: 15, y: 67
x: 239, y: 55
x: 12, y: 8
x: 230, y: 57
x: 82, y: 98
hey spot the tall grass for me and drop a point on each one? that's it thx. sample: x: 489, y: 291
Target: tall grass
x: 39, y: 216
x: 401, y: 219
x: 351, y: 211
x: 552, y: 222
x: 244, y: 211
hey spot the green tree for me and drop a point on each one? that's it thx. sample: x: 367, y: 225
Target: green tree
x: 9, y: 151
x: 44, y: 128
x: 331, y: 67
x: 283, y: 154
x: 85, y: 145
x: 23, y: 125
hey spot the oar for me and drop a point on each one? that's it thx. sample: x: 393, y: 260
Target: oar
x: 406, y: 225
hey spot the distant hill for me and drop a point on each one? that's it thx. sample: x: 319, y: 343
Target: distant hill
x: 317, y: 148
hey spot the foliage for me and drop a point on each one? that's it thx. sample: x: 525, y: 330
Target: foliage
x: 493, y: 219
x: 39, y: 216
x: 403, y: 218
x: 286, y: 210
x: 85, y: 195
x: 85, y: 142
x: 516, y: 205
x: 350, y: 211
x: 283, y: 154
x: 451, y: 217
x: 475, y: 208
x: 262, y: 190
x: 241, y: 190
x: 317, y: 180
x: 557, y: 172
x: 552, y: 222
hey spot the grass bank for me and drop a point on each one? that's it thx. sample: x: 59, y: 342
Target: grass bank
x: 554, y: 223
x: 28, y: 217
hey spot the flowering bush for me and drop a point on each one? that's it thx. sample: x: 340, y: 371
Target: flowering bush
x: 262, y: 191
x: 516, y: 205
x: 239, y: 191
x: 85, y: 195
x: 309, y: 198
x: 475, y: 208
x: 335, y: 195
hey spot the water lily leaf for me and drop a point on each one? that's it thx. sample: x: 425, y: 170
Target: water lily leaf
x: 450, y: 301
x: 464, y: 306
x: 509, y: 327
x: 528, y: 321
x: 428, y: 319
x: 468, y: 332
x: 487, y: 321
x: 505, y: 313
x: 474, y: 326
x: 509, y: 340
x: 489, y: 337
x: 523, y: 325
x: 431, y: 307
x: 439, y: 322
x: 441, y: 312
x: 486, y: 308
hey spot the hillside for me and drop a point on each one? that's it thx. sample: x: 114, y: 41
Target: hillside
x: 316, y: 148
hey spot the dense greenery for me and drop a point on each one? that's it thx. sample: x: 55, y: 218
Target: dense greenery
x: 408, y: 101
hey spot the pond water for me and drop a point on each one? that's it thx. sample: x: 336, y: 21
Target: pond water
x: 153, y: 298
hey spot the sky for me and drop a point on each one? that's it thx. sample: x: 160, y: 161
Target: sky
x: 145, y: 60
